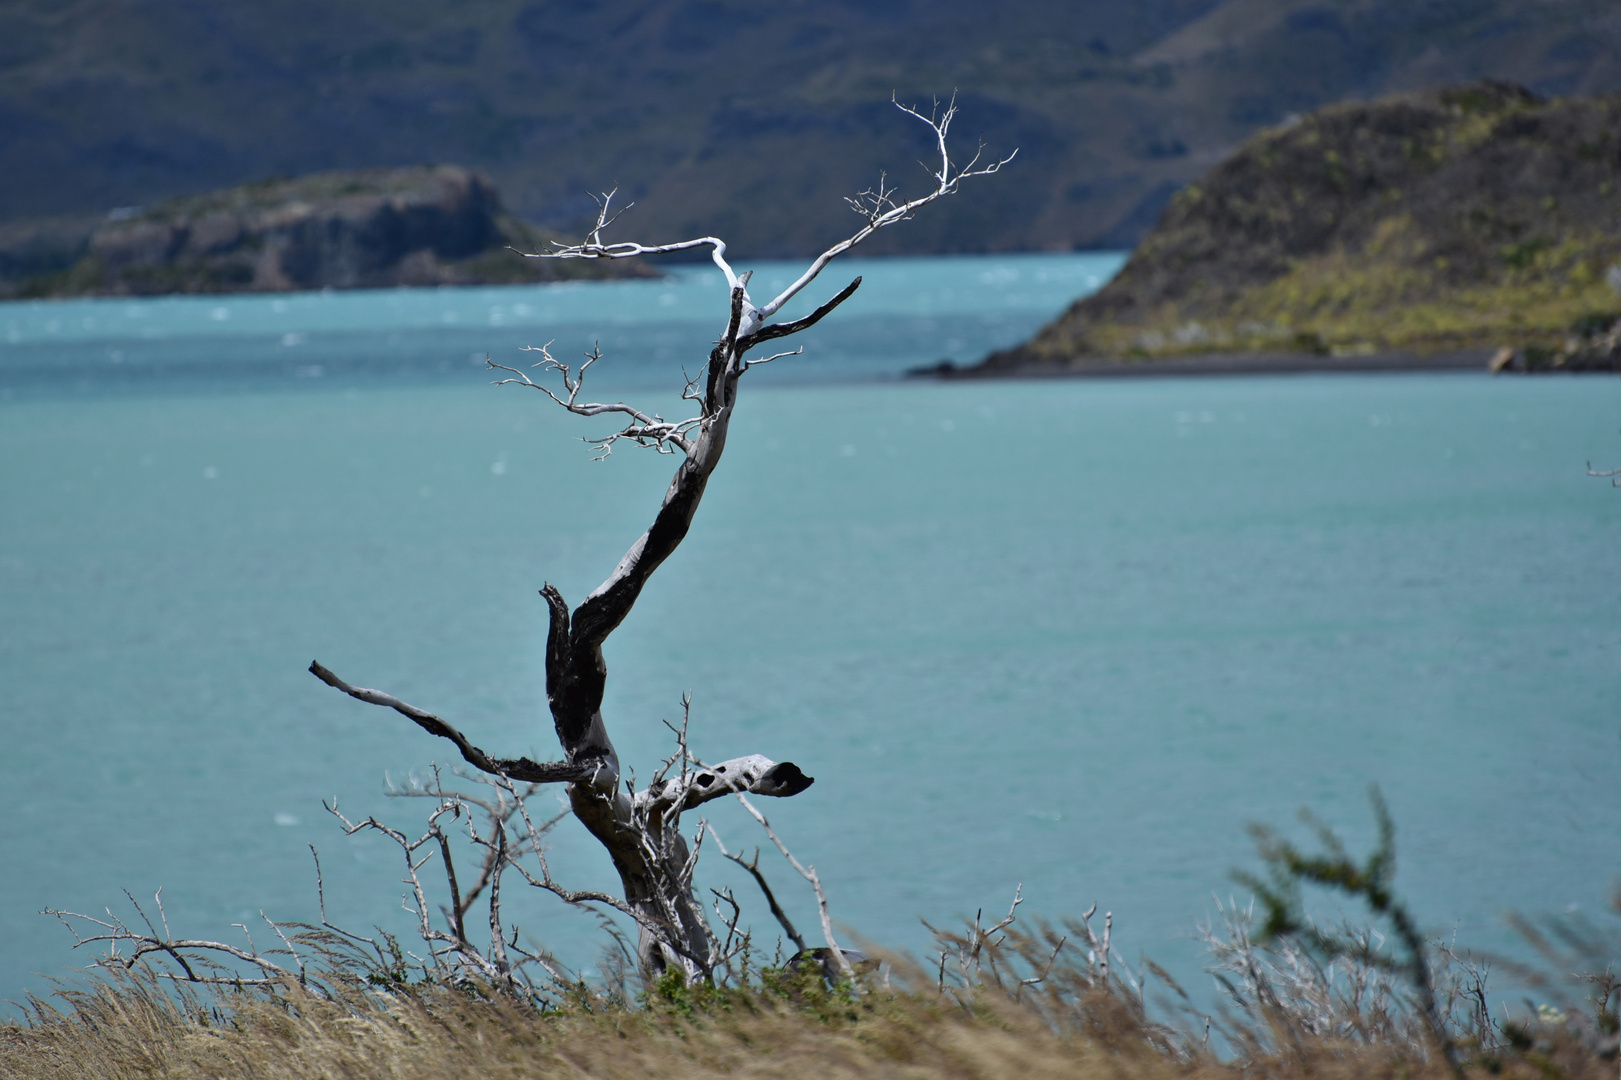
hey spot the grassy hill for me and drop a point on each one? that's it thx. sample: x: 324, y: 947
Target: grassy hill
x: 1472, y: 216
x: 746, y: 120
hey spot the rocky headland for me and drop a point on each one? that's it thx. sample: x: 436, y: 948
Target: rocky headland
x: 1458, y: 226
x: 429, y: 225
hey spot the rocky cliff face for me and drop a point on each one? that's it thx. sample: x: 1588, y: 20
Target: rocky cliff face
x: 440, y: 225
x: 1469, y: 216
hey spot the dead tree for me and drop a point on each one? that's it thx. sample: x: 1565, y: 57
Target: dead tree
x: 641, y: 829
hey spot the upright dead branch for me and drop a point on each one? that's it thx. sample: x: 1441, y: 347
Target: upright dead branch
x: 641, y: 830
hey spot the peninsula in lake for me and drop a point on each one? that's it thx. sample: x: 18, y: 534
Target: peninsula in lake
x: 373, y: 228
x: 1433, y: 228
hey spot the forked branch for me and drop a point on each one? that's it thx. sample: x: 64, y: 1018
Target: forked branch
x: 752, y: 865
x: 594, y: 248
x: 878, y: 206
x: 645, y: 429
x: 836, y: 954
x: 195, y: 959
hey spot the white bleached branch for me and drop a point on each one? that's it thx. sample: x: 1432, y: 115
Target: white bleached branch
x: 190, y: 956
x: 878, y: 205
x: 594, y: 248
x: 840, y: 964
x: 752, y: 865
x: 645, y: 429
x: 776, y: 356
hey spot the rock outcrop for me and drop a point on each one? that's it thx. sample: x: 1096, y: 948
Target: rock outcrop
x: 433, y: 225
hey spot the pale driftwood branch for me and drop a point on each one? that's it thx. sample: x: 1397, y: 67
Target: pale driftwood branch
x: 730, y: 922
x: 777, y: 356
x: 752, y: 865
x: 980, y: 946
x: 1103, y: 955
x: 535, y: 833
x: 452, y: 954
x: 500, y: 813
x: 1036, y: 980
x: 754, y: 773
x: 303, y: 974
x: 440, y: 943
x: 885, y: 211
x: 352, y: 938
x: 498, y: 950
x: 547, y: 772
x: 1616, y: 473
x: 1281, y: 981
x: 114, y: 932
x: 840, y: 964
x: 594, y: 248
x: 878, y: 206
x: 646, y: 429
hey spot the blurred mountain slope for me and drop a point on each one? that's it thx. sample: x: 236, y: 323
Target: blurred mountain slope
x: 742, y: 119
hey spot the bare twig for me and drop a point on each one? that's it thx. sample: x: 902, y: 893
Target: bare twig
x: 752, y: 865
x: 878, y: 206
x: 185, y: 953
x: 1046, y: 969
x: 840, y: 964
x: 645, y: 429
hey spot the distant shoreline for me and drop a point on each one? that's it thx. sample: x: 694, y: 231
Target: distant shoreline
x: 1235, y: 363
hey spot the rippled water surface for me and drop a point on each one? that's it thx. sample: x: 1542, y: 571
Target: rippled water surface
x: 1069, y: 634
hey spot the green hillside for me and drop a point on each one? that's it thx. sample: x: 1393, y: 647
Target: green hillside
x: 1475, y: 216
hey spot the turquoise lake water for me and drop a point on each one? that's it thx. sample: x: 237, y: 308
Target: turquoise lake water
x: 1072, y: 635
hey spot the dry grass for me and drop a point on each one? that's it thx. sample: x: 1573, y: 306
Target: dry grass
x: 786, y: 1026
x: 997, y: 1001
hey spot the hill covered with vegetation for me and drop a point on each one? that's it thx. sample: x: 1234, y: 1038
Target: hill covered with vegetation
x: 742, y: 120
x: 343, y: 230
x: 1469, y: 217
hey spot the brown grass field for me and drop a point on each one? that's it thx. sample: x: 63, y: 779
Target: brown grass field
x: 990, y: 1024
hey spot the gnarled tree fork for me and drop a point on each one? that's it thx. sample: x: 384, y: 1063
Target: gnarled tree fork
x: 640, y: 829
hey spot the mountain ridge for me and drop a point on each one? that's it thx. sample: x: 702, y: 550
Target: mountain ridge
x: 723, y: 117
